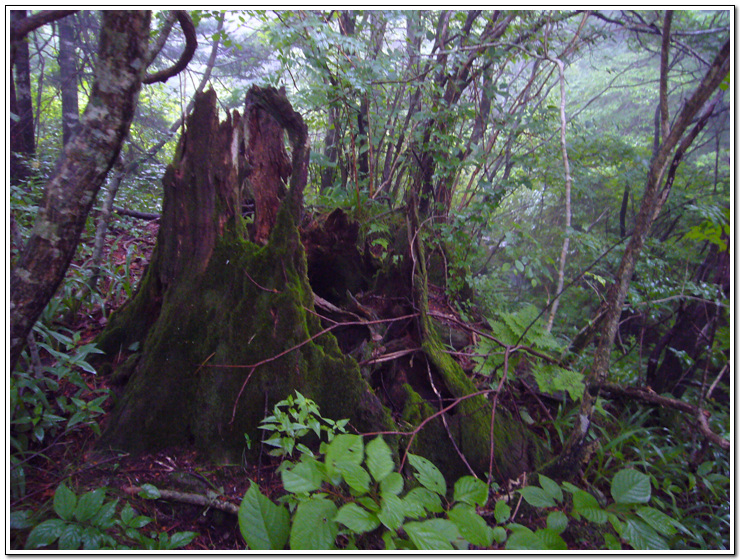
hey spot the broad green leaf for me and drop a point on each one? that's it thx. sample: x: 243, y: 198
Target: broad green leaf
x: 641, y: 536
x: 314, y: 527
x: 432, y: 534
x: 181, y: 539
x: 264, y: 525
x: 612, y: 542
x: 379, y: 459
x: 65, y: 502
x: 550, y: 539
x: 305, y: 476
x: 419, y: 501
x: 499, y: 534
x: 537, y: 497
x: 471, y: 526
x: 89, y: 504
x: 630, y: 487
x: 501, y: 511
x: 343, y: 448
x: 21, y: 519
x: 587, y: 506
x: 358, y: 519
x: 71, y: 537
x: 354, y: 475
x: 657, y: 520
x: 551, y: 487
x: 392, y: 511
x: 428, y: 474
x: 369, y: 503
x: 92, y: 539
x: 45, y: 533
x: 471, y: 490
x: 557, y: 521
x: 392, y: 484
x: 150, y: 492
x: 523, y: 538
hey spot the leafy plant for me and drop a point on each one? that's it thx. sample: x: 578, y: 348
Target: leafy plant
x: 641, y: 526
x: 293, y: 418
x: 89, y: 522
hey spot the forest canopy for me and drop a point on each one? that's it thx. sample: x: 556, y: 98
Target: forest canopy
x: 499, y: 239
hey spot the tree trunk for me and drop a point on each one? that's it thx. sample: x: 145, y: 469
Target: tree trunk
x: 81, y: 170
x: 692, y: 332
x: 68, y: 72
x: 224, y: 323
x: 22, y: 141
x: 227, y: 327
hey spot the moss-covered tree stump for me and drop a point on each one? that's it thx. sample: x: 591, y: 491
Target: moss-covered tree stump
x: 224, y: 324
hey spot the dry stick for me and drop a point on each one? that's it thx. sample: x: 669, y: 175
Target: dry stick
x: 210, y: 500
x: 252, y: 367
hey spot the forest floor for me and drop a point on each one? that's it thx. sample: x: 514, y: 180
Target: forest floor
x: 71, y: 457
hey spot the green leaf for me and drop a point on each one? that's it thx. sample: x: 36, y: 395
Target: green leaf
x: 537, y: 497
x: 354, y: 475
x: 71, y: 537
x: 630, y: 487
x: 522, y: 538
x: 641, y: 536
x: 181, y: 539
x: 501, y: 511
x: 264, y: 525
x: 358, y: 519
x: 65, y: 502
x: 343, y: 448
x: 379, y: 459
x: 89, y: 504
x: 103, y: 518
x: 551, y: 487
x: 150, y: 492
x: 471, y: 490
x: 45, y: 533
x: 392, y: 511
x: 432, y: 534
x: 21, y: 519
x: 557, y: 521
x: 419, y: 501
x: 658, y: 520
x: 587, y: 506
x: 612, y: 542
x: 314, y: 527
x: 305, y: 476
x: 551, y: 540
x: 499, y: 534
x: 471, y: 526
x: 428, y: 475
x: 392, y: 484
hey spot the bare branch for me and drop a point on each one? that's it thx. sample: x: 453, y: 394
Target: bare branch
x: 32, y: 22
x: 191, y: 43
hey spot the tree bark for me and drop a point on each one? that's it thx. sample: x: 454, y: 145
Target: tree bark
x: 68, y: 72
x: 80, y: 171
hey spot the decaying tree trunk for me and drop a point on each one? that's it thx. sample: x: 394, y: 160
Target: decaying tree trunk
x: 226, y: 325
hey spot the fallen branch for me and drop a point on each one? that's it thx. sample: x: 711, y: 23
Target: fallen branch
x: 211, y: 499
x: 649, y: 396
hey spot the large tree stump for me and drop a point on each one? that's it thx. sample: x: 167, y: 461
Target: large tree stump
x: 224, y: 324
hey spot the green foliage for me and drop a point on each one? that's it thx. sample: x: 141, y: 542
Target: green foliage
x: 90, y: 522
x: 293, y: 418
x: 355, y: 490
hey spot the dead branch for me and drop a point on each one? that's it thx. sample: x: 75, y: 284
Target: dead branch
x: 210, y: 500
x: 647, y: 395
x: 191, y: 43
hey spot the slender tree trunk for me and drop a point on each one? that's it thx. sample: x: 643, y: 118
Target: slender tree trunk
x: 80, y: 172
x: 68, y: 73
x: 22, y: 141
x: 649, y: 208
